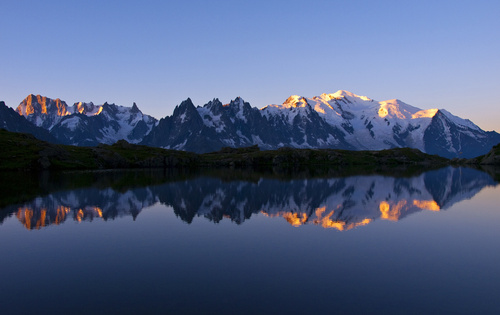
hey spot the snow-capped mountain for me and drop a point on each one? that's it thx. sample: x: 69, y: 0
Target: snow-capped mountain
x: 338, y: 202
x: 237, y: 124
x: 341, y: 120
x: 86, y: 124
x: 43, y: 111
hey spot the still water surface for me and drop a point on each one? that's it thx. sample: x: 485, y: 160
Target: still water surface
x: 156, y: 242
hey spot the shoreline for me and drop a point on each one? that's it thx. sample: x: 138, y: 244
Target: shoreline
x: 25, y: 152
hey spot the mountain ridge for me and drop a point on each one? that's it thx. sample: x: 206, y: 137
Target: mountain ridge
x: 340, y: 120
x: 86, y: 124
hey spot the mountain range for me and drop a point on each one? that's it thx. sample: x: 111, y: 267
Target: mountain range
x: 86, y: 124
x: 341, y: 120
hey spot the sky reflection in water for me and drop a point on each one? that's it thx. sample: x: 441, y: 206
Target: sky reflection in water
x: 138, y: 253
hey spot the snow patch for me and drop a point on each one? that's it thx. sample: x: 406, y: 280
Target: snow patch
x: 71, y: 123
x: 460, y: 121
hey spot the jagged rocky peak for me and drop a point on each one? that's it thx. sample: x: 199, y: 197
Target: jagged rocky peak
x: 135, y: 109
x: 213, y: 103
x: 237, y: 102
x: 86, y: 108
x: 184, y: 109
x: 238, y: 105
x: 111, y: 109
x: 186, y: 104
x: 37, y: 104
x: 214, y: 106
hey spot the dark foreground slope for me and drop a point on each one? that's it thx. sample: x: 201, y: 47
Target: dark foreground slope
x: 12, y: 121
x: 490, y: 158
x: 23, y: 151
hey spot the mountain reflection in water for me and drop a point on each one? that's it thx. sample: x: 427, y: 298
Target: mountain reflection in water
x: 341, y: 203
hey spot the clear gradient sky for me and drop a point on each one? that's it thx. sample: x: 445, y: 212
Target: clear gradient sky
x: 430, y: 54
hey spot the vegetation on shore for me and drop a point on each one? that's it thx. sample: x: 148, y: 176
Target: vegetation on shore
x: 25, y: 152
x: 490, y: 158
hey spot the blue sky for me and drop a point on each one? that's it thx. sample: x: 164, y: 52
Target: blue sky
x: 429, y: 54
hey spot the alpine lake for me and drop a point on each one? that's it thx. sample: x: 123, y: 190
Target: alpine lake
x: 249, y: 242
